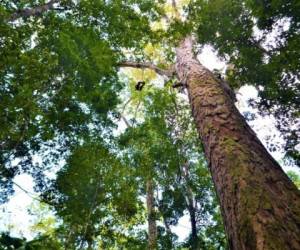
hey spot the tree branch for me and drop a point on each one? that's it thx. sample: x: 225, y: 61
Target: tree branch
x: 31, y: 195
x: 144, y: 65
x: 125, y: 121
x: 174, y: 6
x: 35, y: 11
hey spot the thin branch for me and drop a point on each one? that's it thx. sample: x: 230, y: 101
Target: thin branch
x: 125, y: 105
x: 144, y: 65
x: 136, y: 110
x: 31, y: 195
x: 125, y: 120
x: 123, y: 111
x: 35, y: 11
x: 175, y: 8
x: 174, y: 5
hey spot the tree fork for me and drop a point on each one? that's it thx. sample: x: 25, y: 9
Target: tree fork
x: 259, y: 203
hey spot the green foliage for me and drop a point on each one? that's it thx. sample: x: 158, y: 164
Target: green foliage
x: 58, y: 77
x: 98, y: 194
x: 294, y: 177
x: 160, y: 147
x: 59, y: 97
x: 10, y: 243
x: 90, y: 195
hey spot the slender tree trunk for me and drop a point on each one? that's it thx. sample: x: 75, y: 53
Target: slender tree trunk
x: 192, y: 213
x: 152, y: 230
x: 259, y: 204
x: 190, y: 200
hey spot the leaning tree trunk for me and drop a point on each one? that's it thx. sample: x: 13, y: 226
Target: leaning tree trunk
x: 259, y: 204
x: 152, y: 231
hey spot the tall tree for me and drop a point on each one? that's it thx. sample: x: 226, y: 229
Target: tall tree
x: 160, y: 147
x: 260, y: 205
x: 152, y: 228
x: 248, y: 180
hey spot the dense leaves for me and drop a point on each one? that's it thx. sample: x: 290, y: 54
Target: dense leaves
x: 165, y: 150
x: 60, y: 91
x: 58, y: 80
x: 95, y: 194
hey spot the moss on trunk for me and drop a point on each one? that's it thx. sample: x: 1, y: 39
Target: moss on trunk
x: 259, y: 203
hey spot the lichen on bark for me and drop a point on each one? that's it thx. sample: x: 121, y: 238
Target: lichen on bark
x: 259, y: 204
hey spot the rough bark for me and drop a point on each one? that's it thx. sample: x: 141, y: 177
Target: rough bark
x: 152, y: 230
x: 259, y: 203
x: 35, y: 11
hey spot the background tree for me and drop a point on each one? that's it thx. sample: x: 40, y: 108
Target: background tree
x: 166, y: 153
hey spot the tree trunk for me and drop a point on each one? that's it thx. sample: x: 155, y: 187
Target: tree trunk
x: 259, y: 203
x: 152, y: 231
x: 192, y: 213
x: 190, y: 200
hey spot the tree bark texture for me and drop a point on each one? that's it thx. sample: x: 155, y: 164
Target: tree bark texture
x: 152, y: 230
x: 259, y: 203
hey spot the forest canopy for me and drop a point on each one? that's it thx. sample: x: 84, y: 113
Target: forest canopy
x: 125, y: 134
